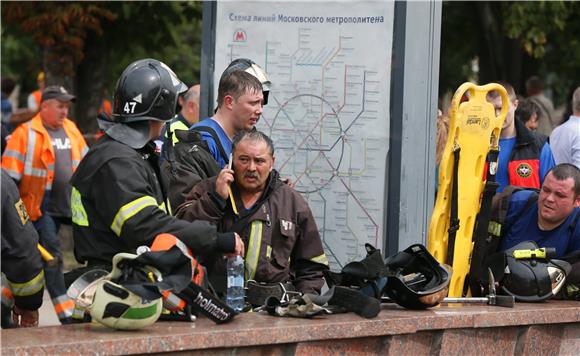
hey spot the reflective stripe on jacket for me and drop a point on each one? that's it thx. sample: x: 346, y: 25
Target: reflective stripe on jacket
x: 281, y: 237
x: 118, y: 204
x: 29, y: 159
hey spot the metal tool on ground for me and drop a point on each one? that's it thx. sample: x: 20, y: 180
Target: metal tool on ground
x: 491, y: 299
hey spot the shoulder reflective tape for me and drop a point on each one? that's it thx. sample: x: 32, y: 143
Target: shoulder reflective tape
x: 84, y: 151
x: 14, y: 154
x: 78, y: 212
x: 320, y: 259
x: 253, y: 253
x: 129, y: 210
x: 28, y: 288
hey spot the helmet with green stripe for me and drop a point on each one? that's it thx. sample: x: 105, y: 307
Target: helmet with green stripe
x: 118, y: 307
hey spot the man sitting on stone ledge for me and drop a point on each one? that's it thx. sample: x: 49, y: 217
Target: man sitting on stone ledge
x: 549, y: 218
x: 281, y: 237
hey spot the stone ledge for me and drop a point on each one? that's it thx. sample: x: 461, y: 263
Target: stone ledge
x: 255, y: 329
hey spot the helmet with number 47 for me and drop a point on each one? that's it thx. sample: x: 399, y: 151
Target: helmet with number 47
x: 148, y: 90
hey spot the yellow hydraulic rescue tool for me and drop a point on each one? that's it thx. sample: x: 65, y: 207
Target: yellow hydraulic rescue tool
x: 474, y: 129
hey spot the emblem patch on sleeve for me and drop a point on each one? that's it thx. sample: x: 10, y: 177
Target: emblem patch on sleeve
x: 524, y: 170
x: 21, y: 210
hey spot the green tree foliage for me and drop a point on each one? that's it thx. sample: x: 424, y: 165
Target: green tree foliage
x: 511, y: 41
x: 86, y: 45
x: 60, y: 28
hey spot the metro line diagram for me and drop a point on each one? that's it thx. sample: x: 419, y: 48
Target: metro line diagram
x: 324, y: 118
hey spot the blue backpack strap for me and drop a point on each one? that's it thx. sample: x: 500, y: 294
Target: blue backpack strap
x: 215, y: 137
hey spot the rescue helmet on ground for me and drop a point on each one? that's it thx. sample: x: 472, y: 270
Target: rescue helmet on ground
x: 119, y: 308
x: 527, y: 272
x: 415, y: 279
x: 247, y: 65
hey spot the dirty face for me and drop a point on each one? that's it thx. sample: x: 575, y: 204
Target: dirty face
x: 253, y: 163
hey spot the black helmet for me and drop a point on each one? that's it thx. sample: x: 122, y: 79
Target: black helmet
x: 415, y: 279
x: 368, y: 275
x: 530, y: 276
x: 247, y: 65
x: 147, y: 90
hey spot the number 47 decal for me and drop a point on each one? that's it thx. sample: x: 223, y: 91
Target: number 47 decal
x: 130, y: 107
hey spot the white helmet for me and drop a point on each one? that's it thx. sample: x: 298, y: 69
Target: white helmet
x: 117, y: 307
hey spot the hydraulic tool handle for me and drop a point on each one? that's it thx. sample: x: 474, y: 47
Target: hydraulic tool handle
x: 544, y: 252
x: 507, y: 301
x: 46, y: 256
x: 466, y: 300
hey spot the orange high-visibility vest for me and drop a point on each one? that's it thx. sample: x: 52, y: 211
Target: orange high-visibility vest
x: 29, y: 159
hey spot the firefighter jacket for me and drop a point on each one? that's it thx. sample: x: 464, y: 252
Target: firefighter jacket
x: 524, y: 163
x: 279, y: 232
x: 29, y: 159
x: 118, y: 203
x: 21, y: 261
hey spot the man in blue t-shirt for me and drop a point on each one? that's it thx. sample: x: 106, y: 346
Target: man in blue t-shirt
x: 242, y: 91
x: 524, y: 156
x: 551, y: 221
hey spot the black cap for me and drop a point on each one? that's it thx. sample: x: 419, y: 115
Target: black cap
x: 56, y: 92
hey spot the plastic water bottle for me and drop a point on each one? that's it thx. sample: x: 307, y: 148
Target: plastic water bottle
x: 235, y: 295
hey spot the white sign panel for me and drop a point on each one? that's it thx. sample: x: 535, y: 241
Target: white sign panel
x: 328, y: 110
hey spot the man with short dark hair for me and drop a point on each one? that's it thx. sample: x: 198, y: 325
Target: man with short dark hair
x: 41, y: 155
x: 551, y: 221
x: 204, y: 150
x: 565, y: 139
x: 524, y: 156
x: 280, y: 234
x: 239, y: 101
